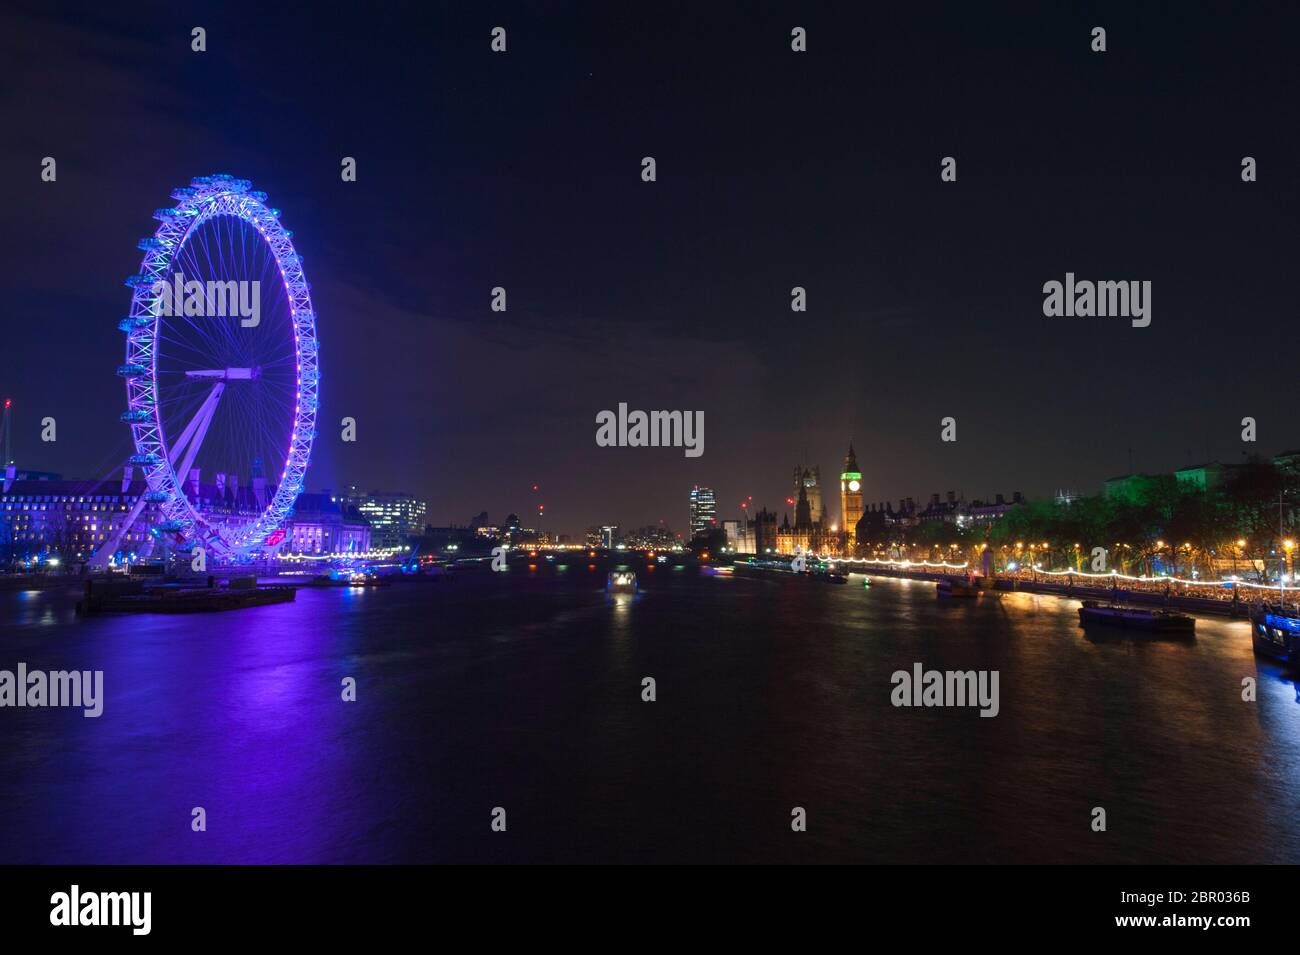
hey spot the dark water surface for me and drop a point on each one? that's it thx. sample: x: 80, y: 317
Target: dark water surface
x: 524, y: 691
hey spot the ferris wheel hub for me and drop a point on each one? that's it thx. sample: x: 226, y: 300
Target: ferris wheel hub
x: 227, y: 374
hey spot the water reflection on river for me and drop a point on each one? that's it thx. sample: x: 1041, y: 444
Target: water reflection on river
x: 524, y: 691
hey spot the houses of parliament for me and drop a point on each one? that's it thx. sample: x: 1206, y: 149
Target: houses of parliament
x: 812, y: 529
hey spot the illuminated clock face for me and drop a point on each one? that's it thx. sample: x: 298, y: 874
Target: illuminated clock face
x: 854, y: 485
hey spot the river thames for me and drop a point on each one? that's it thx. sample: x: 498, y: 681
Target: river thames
x: 523, y: 691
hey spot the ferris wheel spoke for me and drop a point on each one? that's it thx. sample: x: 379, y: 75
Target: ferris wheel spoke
x: 282, y: 361
x: 219, y: 270
x: 202, y: 357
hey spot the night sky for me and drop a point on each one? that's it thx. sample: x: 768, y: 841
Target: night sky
x: 775, y: 169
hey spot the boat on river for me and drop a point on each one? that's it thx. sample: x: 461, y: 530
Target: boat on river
x: 828, y: 576
x: 621, y: 582
x: 1135, y: 618
x: 955, y: 587
x: 1275, y: 631
x: 1275, y: 627
x: 966, y: 587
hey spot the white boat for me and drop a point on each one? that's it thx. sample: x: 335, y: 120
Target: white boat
x: 621, y: 582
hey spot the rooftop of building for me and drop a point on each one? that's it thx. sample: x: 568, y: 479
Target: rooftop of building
x: 307, y: 504
x: 61, y: 488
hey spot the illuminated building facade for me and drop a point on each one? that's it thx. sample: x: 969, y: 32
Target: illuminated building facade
x: 983, y: 513
x: 651, y: 537
x: 393, y: 517
x: 850, y: 497
x: 322, y: 524
x: 1130, y: 488
x: 806, y: 535
x: 704, y: 510
x: 72, y: 519
x: 950, y: 511
x: 740, y: 536
x: 809, y: 539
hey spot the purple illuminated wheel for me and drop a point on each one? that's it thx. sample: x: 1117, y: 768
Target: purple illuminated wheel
x: 227, y: 395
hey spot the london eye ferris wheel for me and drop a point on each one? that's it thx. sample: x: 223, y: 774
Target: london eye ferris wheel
x: 221, y: 370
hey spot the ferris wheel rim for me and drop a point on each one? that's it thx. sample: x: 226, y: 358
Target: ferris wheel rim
x: 206, y: 198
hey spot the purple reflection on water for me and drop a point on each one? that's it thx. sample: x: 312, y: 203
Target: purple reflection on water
x: 525, y: 692
x: 239, y: 713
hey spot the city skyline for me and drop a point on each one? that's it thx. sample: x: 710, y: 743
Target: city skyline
x: 726, y: 507
x: 924, y: 297
x: 617, y: 434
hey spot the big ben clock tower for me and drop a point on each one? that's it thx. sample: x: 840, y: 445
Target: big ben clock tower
x: 850, y: 497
